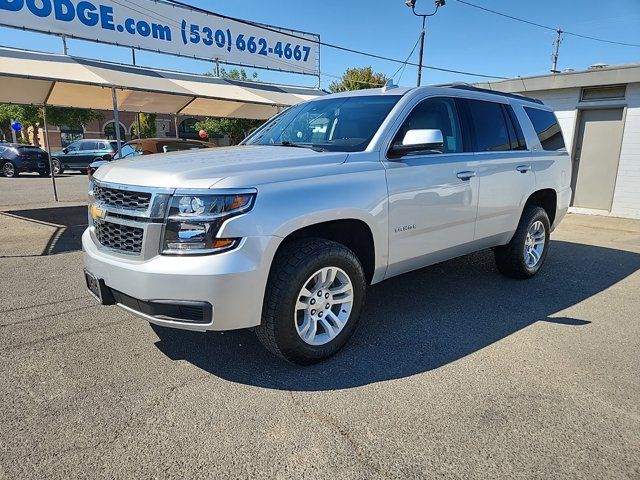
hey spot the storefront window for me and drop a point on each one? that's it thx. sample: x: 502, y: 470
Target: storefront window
x: 110, y: 132
x: 69, y: 135
x: 187, y: 128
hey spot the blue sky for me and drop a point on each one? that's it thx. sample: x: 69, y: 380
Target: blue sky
x: 459, y: 37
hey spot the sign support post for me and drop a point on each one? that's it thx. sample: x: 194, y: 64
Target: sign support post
x: 116, y: 120
x: 46, y: 139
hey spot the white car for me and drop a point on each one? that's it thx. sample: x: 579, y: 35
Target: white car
x: 284, y: 232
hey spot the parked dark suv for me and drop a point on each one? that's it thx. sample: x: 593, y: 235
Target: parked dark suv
x: 16, y: 158
x: 79, y: 155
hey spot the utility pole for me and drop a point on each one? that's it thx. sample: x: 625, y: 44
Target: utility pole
x: 412, y: 4
x: 556, y: 51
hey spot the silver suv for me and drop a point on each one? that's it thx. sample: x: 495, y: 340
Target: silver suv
x: 284, y: 232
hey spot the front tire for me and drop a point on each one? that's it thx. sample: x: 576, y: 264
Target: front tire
x: 524, y: 255
x: 313, y: 300
x: 9, y: 170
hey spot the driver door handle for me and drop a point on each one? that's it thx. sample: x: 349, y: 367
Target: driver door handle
x: 466, y: 175
x: 523, y: 168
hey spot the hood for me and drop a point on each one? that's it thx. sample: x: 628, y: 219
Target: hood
x: 205, y: 168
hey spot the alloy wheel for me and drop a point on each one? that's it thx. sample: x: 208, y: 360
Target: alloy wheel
x: 323, y: 306
x: 8, y: 170
x: 534, y: 244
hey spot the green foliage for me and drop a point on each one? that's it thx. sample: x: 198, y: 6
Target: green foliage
x: 358, y: 79
x: 236, y: 74
x: 147, y: 125
x: 71, y: 117
x: 30, y: 115
x: 235, y: 128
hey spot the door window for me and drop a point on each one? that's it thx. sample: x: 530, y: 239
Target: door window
x: 515, y: 131
x: 74, y: 147
x: 88, y: 146
x: 490, y: 127
x: 435, y: 114
x: 547, y: 128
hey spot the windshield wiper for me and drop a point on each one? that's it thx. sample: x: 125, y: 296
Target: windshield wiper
x: 287, y: 143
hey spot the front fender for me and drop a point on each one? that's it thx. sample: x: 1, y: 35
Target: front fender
x: 284, y: 208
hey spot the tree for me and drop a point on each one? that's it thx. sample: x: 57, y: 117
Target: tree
x: 235, y: 128
x: 358, y: 79
x: 30, y: 115
x: 147, y: 125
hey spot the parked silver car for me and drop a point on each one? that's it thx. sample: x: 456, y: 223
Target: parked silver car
x: 284, y: 232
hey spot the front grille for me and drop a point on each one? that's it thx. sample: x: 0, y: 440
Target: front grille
x: 122, y: 198
x: 119, y: 237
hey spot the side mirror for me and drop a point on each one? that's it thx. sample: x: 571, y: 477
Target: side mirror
x: 423, y: 140
x: 65, y: 150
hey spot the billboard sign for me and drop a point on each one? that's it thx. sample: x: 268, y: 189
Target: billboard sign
x: 165, y: 27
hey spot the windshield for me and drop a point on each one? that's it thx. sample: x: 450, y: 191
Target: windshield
x: 345, y: 124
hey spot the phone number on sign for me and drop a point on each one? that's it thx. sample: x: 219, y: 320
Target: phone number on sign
x: 225, y: 39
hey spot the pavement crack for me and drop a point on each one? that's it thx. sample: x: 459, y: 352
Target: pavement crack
x: 35, y: 305
x: 48, y: 315
x: 361, y: 454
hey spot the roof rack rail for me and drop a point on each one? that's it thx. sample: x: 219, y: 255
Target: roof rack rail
x: 463, y: 86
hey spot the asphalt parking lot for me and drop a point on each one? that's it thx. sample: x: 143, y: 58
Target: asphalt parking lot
x: 455, y: 371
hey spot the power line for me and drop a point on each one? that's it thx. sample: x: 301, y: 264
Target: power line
x: 402, y: 67
x: 546, y: 27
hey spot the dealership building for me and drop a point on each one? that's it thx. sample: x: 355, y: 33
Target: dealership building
x: 599, y: 112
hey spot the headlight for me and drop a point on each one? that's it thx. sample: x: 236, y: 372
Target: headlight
x: 193, y: 222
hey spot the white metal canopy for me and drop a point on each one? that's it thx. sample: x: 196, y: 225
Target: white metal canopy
x: 28, y: 77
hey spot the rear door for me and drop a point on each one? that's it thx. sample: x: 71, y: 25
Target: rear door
x: 88, y: 151
x: 433, y: 196
x: 504, y: 167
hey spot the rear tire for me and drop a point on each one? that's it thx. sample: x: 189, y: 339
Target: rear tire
x: 9, y: 170
x: 313, y: 300
x: 58, y: 169
x: 524, y: 255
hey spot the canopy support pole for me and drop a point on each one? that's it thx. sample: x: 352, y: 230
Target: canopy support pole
x: 175, y: 121
x: 116, y: 120
x: 46, y: 139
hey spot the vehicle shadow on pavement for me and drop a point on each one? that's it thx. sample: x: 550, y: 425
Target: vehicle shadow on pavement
x: 419, y: 321
x: 68, y: 223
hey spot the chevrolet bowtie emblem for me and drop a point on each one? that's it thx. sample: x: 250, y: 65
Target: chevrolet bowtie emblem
x: 97, y: 213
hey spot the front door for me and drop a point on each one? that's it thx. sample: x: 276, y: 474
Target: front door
x: 433, y: 197
x: 596, y: 157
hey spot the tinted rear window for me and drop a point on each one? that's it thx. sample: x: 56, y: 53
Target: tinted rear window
x: 547, y: 127
x: 489, y: 125
x: 30, y: 149
x: 114, y: 146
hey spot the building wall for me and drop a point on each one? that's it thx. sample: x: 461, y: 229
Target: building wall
x: 566, y: 104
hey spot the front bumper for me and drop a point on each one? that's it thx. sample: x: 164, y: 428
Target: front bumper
x: 233, y: 283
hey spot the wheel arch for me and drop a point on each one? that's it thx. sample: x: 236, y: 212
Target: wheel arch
x: 547, y: 199
x: 353, y: 233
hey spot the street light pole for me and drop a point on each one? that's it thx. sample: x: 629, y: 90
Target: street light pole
x: 420, y: 54
x: 412, y: 5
